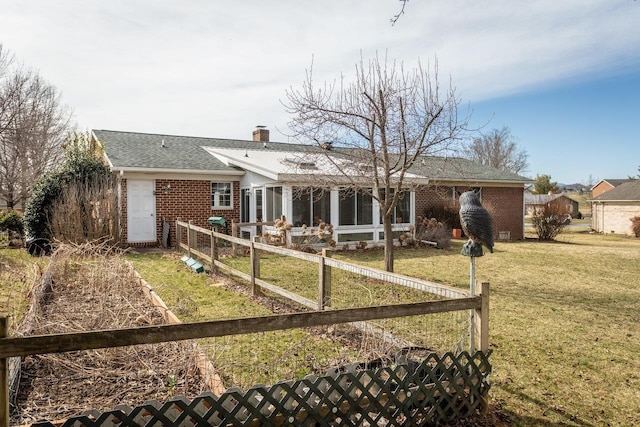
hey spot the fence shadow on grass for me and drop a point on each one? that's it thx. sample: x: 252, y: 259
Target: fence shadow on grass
x: 528, y: 420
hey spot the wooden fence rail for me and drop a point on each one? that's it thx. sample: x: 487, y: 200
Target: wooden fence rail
x: 480, y: 318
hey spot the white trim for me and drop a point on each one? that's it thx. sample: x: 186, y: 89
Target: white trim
x: 208, y: 172
x: 221, y: 207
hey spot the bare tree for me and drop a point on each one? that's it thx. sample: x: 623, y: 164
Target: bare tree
x: 33, y: 126
x: 379, y: 125
x: 498, y: 149
x: 397, y: 16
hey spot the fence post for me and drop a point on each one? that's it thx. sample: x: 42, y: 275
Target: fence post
x: 214, y: 252
x: 324, y: 279
x: 482, y: 318
x: 234, y: 231
x: 189, y: 239
x: 178, y: 235
x: 4, y: 376
x: 255, y: 266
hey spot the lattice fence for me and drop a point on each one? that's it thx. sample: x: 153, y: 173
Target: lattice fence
x: 437, y: 389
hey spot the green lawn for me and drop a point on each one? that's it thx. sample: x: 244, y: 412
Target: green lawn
x: 242, y: 360
x: 18, y: 273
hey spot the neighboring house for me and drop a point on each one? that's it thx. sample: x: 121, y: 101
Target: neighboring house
x: 605, y: 185
x: 611, y: 212
x: 164, y: 177
x: 536, y: 202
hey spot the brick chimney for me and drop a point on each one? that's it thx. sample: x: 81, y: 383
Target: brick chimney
x: 261, y: 134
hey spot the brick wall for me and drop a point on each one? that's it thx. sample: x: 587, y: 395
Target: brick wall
x: 505, y: 206
x: 186, y: 200
x: 602, y: 187
x: 503, y: 203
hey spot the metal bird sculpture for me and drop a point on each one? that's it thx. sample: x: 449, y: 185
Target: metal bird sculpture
x: 476, y: 224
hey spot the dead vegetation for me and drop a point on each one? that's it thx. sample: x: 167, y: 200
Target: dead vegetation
x: 89, y: 292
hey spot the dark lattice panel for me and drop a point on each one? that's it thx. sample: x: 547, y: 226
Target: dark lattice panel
x: 410, y: 393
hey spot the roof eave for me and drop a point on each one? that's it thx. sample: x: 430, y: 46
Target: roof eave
x: 129, y: 169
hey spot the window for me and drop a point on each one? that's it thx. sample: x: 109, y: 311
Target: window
x: 221, y: 195
x: 259, y: 205
x: 356, y: 208
x: 274, y: 203
x: 311, y: 206
x: 402, y: 211
x: 245, y: 203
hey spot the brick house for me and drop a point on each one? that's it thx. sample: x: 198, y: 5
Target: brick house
x: 605, y: 185
x: 165, y: 177
x: 611, y: 211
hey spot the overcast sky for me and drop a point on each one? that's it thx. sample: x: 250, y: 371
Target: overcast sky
x: 563, y: 75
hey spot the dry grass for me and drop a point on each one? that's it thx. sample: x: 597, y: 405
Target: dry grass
x: 564, y: 320
x: 92, y: 291
x: 564, y: 324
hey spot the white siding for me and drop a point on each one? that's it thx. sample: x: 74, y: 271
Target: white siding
x: 614, y: 217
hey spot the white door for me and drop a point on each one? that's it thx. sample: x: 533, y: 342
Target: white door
x: 141, y: 211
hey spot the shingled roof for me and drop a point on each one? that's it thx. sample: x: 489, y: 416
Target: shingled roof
x: 133, y: 151
x: 458, y: 169
x: 627, y: 191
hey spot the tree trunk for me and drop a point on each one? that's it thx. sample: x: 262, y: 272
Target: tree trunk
x: 388, y: 243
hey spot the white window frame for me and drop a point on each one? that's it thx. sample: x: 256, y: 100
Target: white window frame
x: 215, y: 196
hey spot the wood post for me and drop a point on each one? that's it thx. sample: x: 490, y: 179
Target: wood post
x: 324, y: 281
x: 178, y: 235
x: 482, y: 318
x: 234, y: 232
x: 4, y: 376
x: 214, y: 252
x: 255, y: 265
x: 189, y: 239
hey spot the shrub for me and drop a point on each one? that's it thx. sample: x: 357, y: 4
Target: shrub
x: 550, y: 221
x: 79, y: 167
x: 432, y: 230
x: 12, y: 221
x: 635, y: 225
x: 446, y: 213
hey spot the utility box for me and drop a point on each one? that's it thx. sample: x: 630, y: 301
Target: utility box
x: 218, y: 221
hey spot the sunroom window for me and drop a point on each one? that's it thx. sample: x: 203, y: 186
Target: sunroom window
x: 402, y: 211
x: 311, y: 206
x: 273, y: 200
x: 356, y: 208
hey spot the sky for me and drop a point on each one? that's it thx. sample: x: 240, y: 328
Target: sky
x: 564, y: 76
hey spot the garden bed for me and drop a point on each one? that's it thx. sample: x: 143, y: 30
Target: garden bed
x: 91, y: 291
